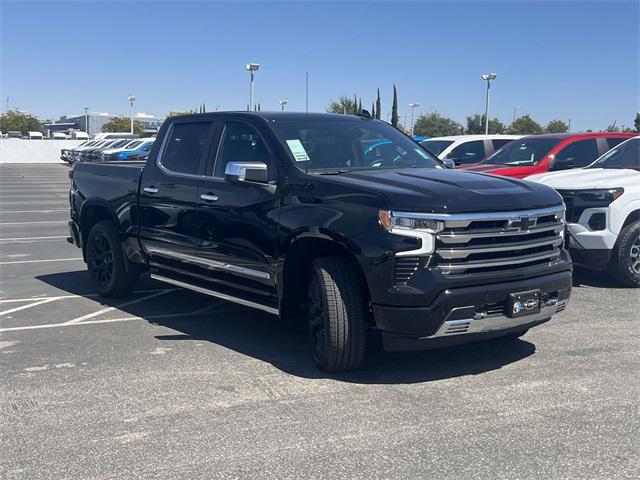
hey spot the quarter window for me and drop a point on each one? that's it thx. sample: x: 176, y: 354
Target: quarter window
x: 187, y: 144
x: 498, y: 143
x: 578, y: 154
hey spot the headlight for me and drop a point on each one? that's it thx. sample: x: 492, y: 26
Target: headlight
x: 414, y: 225
x: 604, y: 195
x: 409, y: 221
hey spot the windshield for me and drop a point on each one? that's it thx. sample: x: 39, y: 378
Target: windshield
x: 528, y: 151
x: 625, y: 155
x: 436, y: 146
x: 337, y: 146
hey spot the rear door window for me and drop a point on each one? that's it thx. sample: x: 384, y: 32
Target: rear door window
x: 579, y: 154
x: 186, y: 147
x: 468, y: 152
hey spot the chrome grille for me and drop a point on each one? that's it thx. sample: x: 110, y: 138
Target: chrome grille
x: 479, y: 243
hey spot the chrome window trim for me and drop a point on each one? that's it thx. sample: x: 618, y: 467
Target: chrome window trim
x: 212, y: 264
x: 214, y: 293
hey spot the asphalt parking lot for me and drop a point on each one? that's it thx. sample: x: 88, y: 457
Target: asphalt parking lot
x: 168, y: 383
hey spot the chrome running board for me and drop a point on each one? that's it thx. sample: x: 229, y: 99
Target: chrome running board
x: 213, y: 293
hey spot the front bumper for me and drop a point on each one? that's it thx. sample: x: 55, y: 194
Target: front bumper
x: 467, y: 314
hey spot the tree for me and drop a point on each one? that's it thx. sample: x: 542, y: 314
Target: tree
x: 122, y: 124
x: 475, y: 125
x: 373, y: 110
x: 173, y: 113
x: 525, y: 125
x: 343, y: 105
x: 436, y: 125
x: 612, y: 127
x: 394, y: 107
x: 636, y: 122
x: 16, y: 121
x: 355, y: 104
x: 556, y: 126
x: 378, y: 106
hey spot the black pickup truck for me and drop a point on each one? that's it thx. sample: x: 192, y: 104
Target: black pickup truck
x: 341, y: 221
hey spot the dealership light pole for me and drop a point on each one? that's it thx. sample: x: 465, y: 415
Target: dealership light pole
x: 251, y: 67
x: 488, y: 77
x: 131, y: 99
x: 282, y: 103
x: 413, y: 106
x: 86, y: 120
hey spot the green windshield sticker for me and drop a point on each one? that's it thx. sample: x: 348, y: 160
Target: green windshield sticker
x: 299, y: 153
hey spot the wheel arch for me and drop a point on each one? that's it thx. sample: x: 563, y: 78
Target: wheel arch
x: 293, y: 275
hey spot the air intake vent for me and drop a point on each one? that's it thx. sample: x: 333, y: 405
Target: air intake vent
x: 405, y: 267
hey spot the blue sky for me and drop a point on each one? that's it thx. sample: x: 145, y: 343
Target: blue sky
x: 577, y: 59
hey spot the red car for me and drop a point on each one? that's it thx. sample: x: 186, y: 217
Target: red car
x: 547, y: 153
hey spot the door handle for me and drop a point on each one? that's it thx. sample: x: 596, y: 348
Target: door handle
x: 209, y: 197
x: 150, y: 189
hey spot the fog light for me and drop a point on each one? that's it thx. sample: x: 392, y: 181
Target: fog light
x: 598, y: 221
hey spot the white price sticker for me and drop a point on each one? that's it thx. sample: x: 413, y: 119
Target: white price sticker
x: 299, y: 153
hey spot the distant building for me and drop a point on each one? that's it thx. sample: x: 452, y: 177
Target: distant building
x: 96, y: 121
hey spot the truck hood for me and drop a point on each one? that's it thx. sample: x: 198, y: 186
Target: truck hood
x: 448, y: 191
x: 588, y: 178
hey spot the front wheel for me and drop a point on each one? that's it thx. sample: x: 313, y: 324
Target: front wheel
x: 107, y: 265
x: 336, y: 315
x: 625, y: 259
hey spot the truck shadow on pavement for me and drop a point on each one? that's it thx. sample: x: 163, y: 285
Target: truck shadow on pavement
x: 284, y: 345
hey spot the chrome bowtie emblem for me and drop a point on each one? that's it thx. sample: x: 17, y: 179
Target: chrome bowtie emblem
x: 521, y: 223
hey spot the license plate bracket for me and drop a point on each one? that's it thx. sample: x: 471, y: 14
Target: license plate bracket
x: 521, y: 304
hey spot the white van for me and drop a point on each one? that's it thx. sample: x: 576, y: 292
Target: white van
x: 35, y: 136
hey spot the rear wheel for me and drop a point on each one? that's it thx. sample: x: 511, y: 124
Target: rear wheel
x: 625, y: 259
x: 336, y: 315
x: 108, y: 268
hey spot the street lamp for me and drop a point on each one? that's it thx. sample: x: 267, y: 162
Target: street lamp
x: 282, y: 104
x: 131, y: 99
x: 413, y: 106
x: 488, y: 77
x: 86, y: 120
x: 251, y: 67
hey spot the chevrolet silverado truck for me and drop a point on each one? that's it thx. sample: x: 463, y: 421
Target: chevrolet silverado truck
x: 284, y: 213
x: 603, y: 211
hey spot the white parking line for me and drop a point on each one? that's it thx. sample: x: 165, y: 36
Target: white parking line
x: 88, y: 295
x: 44, y: 202
x: 4, y: 212
x: 29, y: 239
x: 41, y: 261
x: 111, y: 320
x: 109, y: 309
x: 33, y: 223
x: 24, y: 307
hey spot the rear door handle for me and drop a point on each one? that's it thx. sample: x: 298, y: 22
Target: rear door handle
x: 150, y: 189
x: 209, y: 197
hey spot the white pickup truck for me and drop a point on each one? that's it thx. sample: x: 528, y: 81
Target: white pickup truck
x: 603, y: 211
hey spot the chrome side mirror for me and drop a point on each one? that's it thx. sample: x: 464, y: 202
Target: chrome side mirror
x: 246, y: 172
x: 449, y: 163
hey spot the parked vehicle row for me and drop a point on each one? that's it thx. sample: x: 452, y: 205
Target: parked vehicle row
x: 521, y: 156
x: 287, y: 213
x: 106, y: 149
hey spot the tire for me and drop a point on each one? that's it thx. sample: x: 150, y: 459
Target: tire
x: 109, y: 270
x: 625, y: 258
x: 336, y: 314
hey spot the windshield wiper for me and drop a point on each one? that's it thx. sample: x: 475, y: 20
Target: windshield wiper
x: 330, y: 172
